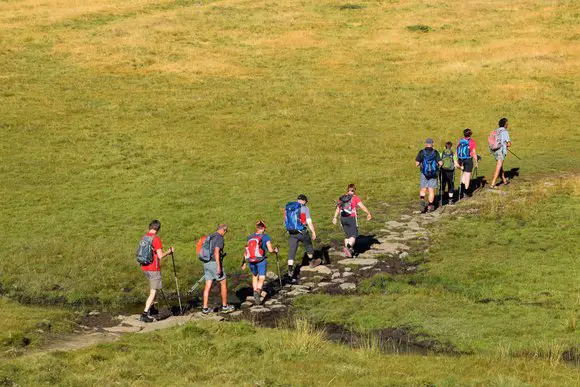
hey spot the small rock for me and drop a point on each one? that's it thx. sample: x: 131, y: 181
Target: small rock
x: 348, y: 286
x: 347, y: 269
x: 94, y: 313
x: 324, y: 284
x: 338, y: 280
x: 247, y: 304
x: 365, y: 268
x: 318, y: 269
x: 411, y: 268
x: 270, y: 302
x: 336, y: 275
x: 347, y: 274
x: 403, y: 255
x: 309, y: 285
x: 394, y: 224
x: 278, y: 307
x: 296, y: 292
x: 272, y: 276
x: 237, y: 313
x: 121, y: 329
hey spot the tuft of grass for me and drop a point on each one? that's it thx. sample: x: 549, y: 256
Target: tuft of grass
x: 419, y: 28
x: 350, y: 6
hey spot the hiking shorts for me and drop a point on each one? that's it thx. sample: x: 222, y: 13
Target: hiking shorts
x: 428, y: 183
x: 259, y: 268
x: 210, y: 271
x: 498, y: 155
x: 350, y: 226
x: 154, y: 278
x: 293, y: 242
x: 467, y: 165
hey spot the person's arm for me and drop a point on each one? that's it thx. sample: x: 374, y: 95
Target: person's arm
x: 455, y: 161
x: 475, y: 163
x: 438, y: 158
x: 311, y: 227
x: 336, y: 215
x: 216, y: 255
x: 364, y: 208
x: 270, y: 248
x: 161, y: 254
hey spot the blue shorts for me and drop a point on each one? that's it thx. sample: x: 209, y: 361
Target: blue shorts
x: 259, y: 268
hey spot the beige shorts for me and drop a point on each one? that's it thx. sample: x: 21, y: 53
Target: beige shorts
x: 154, y: 278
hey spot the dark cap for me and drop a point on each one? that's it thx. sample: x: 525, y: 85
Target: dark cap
x: 302, y: 197
x: 429, y: 141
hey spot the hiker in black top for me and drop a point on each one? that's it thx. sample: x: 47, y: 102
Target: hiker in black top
x: 448, y: 161
x: 428, y: 161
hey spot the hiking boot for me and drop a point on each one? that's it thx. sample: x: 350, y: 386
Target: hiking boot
x: 256, y: 298
x: 230, y: 308
x: 206, y: 311
x: 347, y: 252
x: 315, y: 262
x: 430, y: 208
x: 145, y: 318
x: 153, y: 311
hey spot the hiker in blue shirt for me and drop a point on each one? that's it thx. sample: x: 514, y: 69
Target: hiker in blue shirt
x: 428, y: 161
x: 504, y: 142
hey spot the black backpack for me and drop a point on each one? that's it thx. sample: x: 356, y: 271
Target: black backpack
x: 144, y: 253
x: 345, y: 203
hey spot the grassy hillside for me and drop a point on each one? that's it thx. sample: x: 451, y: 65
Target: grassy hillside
x: 114, y: 113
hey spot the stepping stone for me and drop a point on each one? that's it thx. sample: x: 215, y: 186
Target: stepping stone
x: 414, y: 225
x: 347, y: 269
x: 318, y: 269
x: 406, y: 217
x: 366, y: 268
x: 278, y: 307
x: 324, y: 284
x: 272, y: 276
x: 359, y: 261
x: 391, y: 247
x: 309, y: 285
x: 132, y: 320
x: 348, y: 286
x: 121, y: 329
x: 336, y: 275
x: 172, y: 322
x: 259, y: 309
x: 300, y: 287
x: 296, y: 292
x: 338, y: 280
x: 347, y: 274
x: 270, y: 302
x: 394, y: 224
x: 237, y: 313
x: 247, y: 304
x: 403, y: 255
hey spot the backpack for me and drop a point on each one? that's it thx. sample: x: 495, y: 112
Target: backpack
x: 463, y: 152
x: 345, y: 203
x: 493, y: 140
x: 429, y: 164
x: 447, y: 160
x: 292, y: 217
x: 144, y: 253
x: 202, y: 248
x: 254, y: 251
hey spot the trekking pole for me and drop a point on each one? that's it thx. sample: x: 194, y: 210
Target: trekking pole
x: 279, y: 272
x: 509, y: 150
x: 440, y: 187
x: 165, y: 298
x: 176, y: 283
x: 196, y: 285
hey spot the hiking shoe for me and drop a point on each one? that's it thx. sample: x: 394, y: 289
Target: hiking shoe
x: 206, y: 311
x: 145, y: 318
x: 256, y: 298
x: 347, y: 252
x: 315, y: 262
x: 430, y: 208
x: 228, y: 308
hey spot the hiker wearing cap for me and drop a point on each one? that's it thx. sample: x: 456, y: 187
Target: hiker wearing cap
x: 149, y: 255
x: 298, y: 224
x: 448, y: 161
x: 257, y: 248
x: 499, y: 142
x: 466, y: 159
x: 428, y: 161
x: 214, y: 271
x: 346, y: 206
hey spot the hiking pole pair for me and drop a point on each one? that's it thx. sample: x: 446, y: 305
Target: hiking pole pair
x: 176, y: 283
x: 509, y: 150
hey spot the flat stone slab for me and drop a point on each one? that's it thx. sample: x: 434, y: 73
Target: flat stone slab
x: 237, y: 313
x: 394, y: 224
x: 309, y: 285
x: 359, y: 261
x: 324, y: 284
x: 247, y: 304
x: 296, y: 292
x: 320, y: 269
x: 122, y: 329
x: 270, y: 302
x: 168, y: 323
x: 335, y: 275
x: 132, y: 320
x: 259, y: 309
x: 278, y: 307
x: 348, y: 286
x: 390, y: 247
x: 338, y: 280
x: 347, y: 274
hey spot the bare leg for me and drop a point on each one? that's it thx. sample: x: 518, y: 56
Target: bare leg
x: 224, y: 292
x: 150, y: 300
x: 498, y: 170
x: 261, y: 280
x: 349, y: 241
x: 255, y: 282
x: 466, y: 179
x: 206, y: 292
x: 431, y: 195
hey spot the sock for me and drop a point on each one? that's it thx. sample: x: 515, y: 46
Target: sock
x: 290, y: 269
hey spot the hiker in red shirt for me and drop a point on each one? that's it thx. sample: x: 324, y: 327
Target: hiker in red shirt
x: 346, y: 207
x: 152, y: 271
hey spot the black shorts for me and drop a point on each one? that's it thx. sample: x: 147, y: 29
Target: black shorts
x: 467, y: 164
x: 350, y: 226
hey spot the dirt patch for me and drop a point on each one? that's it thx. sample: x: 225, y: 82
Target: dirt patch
x: 98, y: 320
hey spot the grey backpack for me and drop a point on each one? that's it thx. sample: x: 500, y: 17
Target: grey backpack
x: 144, y: 253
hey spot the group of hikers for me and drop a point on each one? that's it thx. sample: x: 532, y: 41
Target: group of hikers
x: 433, y: 165
x: 437, y: 169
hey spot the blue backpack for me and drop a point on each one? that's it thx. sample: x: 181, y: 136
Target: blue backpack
x: 292, y: 217
x: 429, y: 164
x: 463, y: 152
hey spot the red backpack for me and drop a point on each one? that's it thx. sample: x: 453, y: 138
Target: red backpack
x: 254, y: 251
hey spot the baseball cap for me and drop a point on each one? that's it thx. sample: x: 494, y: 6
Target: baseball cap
x: 429, y: 141
x: 302, y: 197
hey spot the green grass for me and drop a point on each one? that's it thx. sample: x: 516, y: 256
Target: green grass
x: 205, y: 112
x: 239, y: 354
x: 504, y: 279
